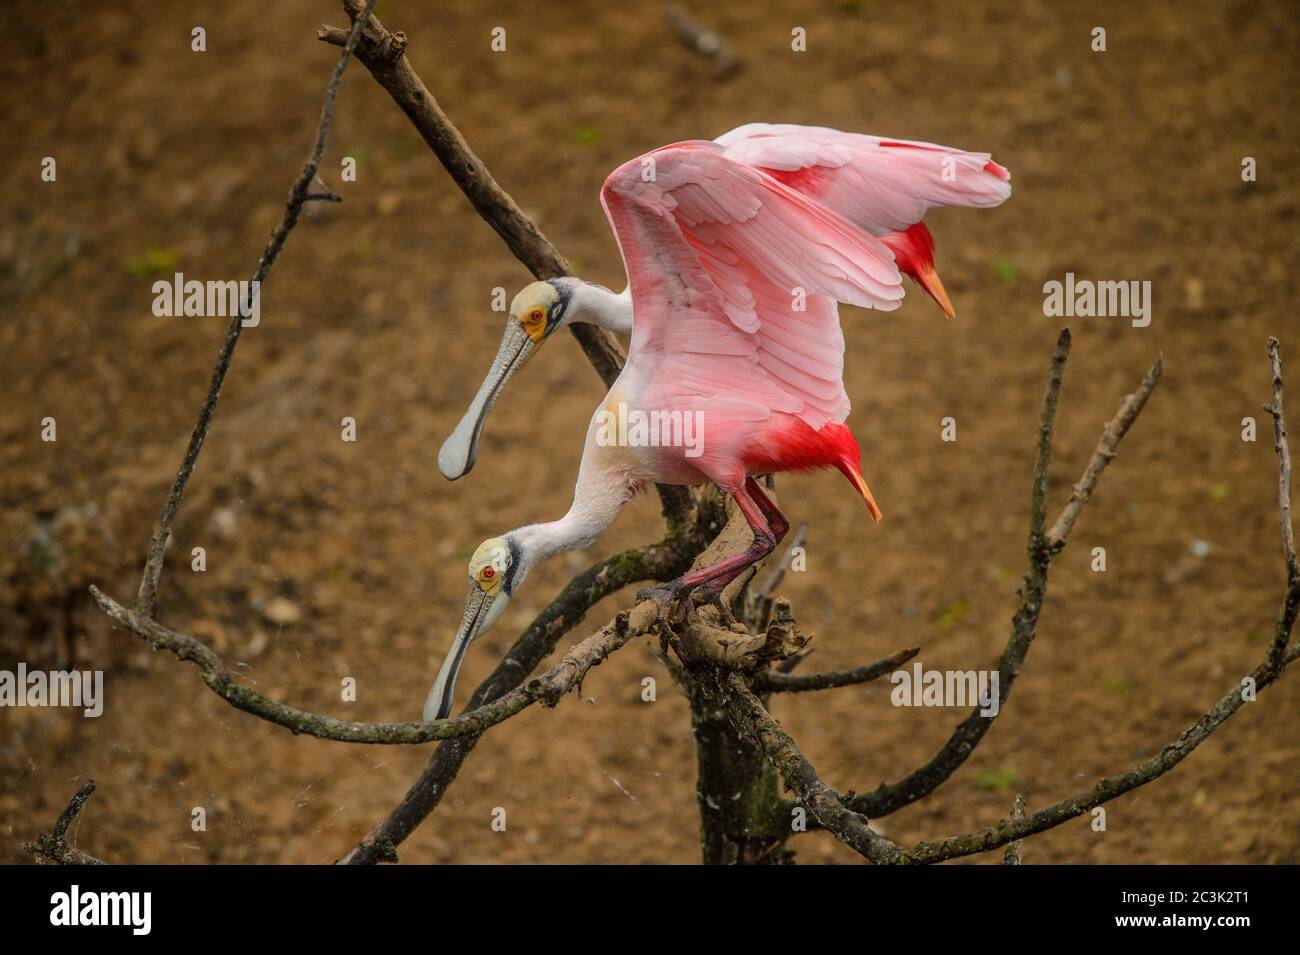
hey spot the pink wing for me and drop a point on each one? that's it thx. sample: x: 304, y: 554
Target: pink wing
x: 716, y: 255
x: 881, y: 185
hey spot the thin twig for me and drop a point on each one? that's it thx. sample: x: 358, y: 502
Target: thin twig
x: 789, y: 664
x: 146, y: 602
x: 53, y: 846
x: 771, y: 681
x: 1115, y: 430
x: 1290, y: 605
x: 1043, y: 456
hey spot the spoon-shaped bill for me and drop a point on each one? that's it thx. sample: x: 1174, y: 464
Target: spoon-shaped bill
x: 481, y: 612
x: 459, y: 451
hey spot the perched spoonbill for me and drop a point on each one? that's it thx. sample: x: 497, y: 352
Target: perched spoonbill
x: 884, y: 186
x: 713, y: 248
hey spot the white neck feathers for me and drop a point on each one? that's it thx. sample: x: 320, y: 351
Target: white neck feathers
x: 597, y: 305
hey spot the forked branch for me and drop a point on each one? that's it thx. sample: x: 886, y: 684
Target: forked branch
x: 1042, y: 547
x: 847, y: 819
x: 1104, y: 790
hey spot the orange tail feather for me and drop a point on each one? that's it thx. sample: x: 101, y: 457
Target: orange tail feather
x: 854, y: 474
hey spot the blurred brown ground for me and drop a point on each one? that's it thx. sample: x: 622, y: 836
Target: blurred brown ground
x: 1126, y: 165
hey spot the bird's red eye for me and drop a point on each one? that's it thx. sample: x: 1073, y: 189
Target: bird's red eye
x: 489, y: 573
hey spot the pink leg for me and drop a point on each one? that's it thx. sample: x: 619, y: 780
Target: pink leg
x: 775, y: 519
x: 718, y: 575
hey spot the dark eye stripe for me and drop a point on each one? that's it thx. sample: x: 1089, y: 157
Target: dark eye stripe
x: 563, y: 291
x: 508, y: 581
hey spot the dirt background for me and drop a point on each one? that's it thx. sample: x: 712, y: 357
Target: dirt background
x: 328, y: 560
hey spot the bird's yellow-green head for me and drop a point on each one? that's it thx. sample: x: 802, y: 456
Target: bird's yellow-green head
x: 492, y: 574
x: 535, y: 313
x: 538, y: 308
x: 490, y: 566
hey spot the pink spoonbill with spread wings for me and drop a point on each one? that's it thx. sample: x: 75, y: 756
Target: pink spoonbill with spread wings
x: 737, y: 252
x: 883, y: 186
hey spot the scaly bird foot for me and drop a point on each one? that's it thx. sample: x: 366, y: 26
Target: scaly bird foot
x: 711, y: 594
x: 665, y: 597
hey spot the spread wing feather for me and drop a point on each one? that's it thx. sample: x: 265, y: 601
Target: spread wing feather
x: 735, y: 278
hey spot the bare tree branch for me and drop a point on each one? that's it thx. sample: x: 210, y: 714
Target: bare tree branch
x: 770, y: 681
x: 1042, y: 547
x: 146, y: 602
x: 752, y: 718
x: 1111, y: 436
x: 559, y: 679
x: 1290, y: 605
x: 851, y: 827
x: 1103, y: 790
x: 1043, y: 455
x: 54, y: 847
x: 830, y: 812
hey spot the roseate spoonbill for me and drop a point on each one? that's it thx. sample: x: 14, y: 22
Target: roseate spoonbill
x: 713, y: 248
x: 884, y: 186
